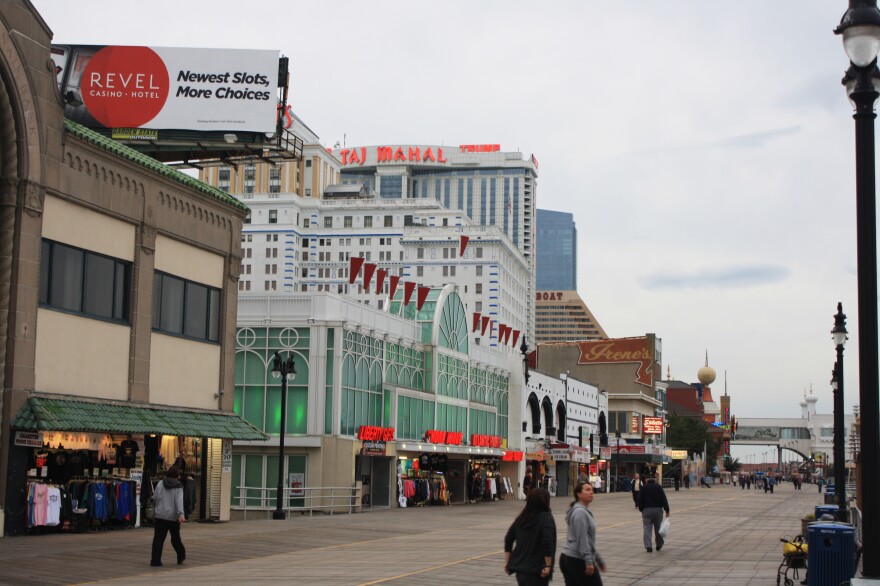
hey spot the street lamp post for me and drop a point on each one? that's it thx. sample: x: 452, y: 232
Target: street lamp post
x: 860, y: 28
x: 617, y: 464
x: 838, y: 334
x: 286, y: 370
x: 524, y: 350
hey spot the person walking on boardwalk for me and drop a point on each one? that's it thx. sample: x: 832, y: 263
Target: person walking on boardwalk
x: 580, y: 561
x: 636, y: 487
x: 168, y: 506
x: 530, y: 543
x: 652, y: 503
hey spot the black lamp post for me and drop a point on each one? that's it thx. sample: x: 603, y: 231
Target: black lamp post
x: 860, y: 27
x: 838, y: 334
x: 285, y: 369
x: 617, y: 465
x: 524, y: 350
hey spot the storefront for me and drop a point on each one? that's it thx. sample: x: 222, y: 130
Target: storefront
x: 77, y: 465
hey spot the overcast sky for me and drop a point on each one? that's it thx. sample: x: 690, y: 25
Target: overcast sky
x: 705, y: 148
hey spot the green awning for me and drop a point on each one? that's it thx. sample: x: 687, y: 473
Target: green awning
x: 43, y: 413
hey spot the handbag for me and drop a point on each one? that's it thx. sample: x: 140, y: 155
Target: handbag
x: 150, y: 510
x: 664, y: 527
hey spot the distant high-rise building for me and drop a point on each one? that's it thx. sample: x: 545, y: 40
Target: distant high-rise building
x: 562, y: 316
x: 556, y: 254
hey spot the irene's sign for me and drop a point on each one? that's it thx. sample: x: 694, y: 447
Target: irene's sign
x: 618, y: 351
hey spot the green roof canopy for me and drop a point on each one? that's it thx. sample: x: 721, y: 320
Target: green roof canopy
x: 50, y: 414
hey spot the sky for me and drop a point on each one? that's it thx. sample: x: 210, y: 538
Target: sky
x: 705, y: 148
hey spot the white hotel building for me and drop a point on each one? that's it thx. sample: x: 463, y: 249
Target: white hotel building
x: 482, y: 182
x: 297, y: 245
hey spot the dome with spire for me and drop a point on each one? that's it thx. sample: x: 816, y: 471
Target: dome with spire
x: 706, y: 375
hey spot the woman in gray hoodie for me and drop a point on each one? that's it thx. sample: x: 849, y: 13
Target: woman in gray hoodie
x: 168, y: 503
x: 580, y: 561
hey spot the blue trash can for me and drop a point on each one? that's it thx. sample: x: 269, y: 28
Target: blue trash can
x: 826, y: 510
x: 829, y: 495
x: 831, y: 553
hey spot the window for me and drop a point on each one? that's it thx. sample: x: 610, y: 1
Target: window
x: 273, y: 216
x: 368, y: 221
x: 185, y: 308
x: 420, y: 271
x: 389, y: 221
x: 445, y: 271
x: 305, y: 222
x: 478, y: 288
x: 479, y: 270
x: 452, y: 271
x: 407, y: 220
x: 346, y: 221
x: 479, y: 252
x: 84, y: 282
x: 420, y: 253
x: 328, y: 222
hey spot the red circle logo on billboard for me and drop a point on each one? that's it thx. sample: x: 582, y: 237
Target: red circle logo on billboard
x: 125, y: 87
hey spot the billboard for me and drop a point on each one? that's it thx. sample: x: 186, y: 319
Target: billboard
x: 652, y: 425
x: 127, y: 87
x: 621, y: 350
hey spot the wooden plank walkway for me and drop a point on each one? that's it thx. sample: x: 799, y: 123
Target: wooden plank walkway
x: 721, y: 535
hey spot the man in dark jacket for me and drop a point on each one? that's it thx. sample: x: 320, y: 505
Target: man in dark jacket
x: 652, y: 503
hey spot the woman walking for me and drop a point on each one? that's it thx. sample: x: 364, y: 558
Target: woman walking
x: 580, y: 561
x: 530, y: 543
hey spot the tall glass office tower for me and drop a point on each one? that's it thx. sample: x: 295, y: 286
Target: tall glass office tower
x: 556, y: 255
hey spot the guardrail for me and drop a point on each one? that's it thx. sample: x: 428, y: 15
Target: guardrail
x: 325, y: 499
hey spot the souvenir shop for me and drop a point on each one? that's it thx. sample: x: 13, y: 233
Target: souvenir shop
x: 433, y: 473
x: 74, y: 480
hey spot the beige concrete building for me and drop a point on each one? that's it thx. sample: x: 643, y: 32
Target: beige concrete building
x: 562, y: 316
x: 118, y: 293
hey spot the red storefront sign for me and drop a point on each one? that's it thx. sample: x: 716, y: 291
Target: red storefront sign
x: 512, y: 456
x: 486, y: 441
x: 634, y: 428
x: 435, y: 436
x: 375, y: 433
x: 621, y: 350
x: 652, y: 425
x: 479, y: 148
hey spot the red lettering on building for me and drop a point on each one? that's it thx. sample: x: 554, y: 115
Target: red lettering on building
x: 415, y: 154
x: 399, y: 154
x: 485, y: 441
x: 548, y: 296
x: 387, y: 154
x: 375, y: 433
x: 384, y: 154
x: 436, y: 436
x: 479, y: 148
x: 512, y: 456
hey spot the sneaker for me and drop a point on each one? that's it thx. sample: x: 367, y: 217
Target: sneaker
x: 155, y: 563
x: 180, y: 559
x: 659, y: 547
x: 649, y: 550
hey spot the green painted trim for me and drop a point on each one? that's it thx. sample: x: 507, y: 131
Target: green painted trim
x: 126, y: 152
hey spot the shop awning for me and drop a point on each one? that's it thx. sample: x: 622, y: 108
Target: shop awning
x: 43, y: 413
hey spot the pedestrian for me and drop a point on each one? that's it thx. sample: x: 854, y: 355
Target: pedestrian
x: 821, y: 483
x: 749, y: 482
x: 676, y: 480
x: 530, y: 543
x: 652, y: 503
x: 580, y: 561
x: 168, y: 507
x: 772, y: 483
x: 636, y: 486
x: 704, y: 482
x: 687, y: 481
x: 528, y: 481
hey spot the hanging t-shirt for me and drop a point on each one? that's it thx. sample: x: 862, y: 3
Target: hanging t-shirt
x: 41, y: 503
x: 77, y: 462
x: 53, y: 508
x: 126, y: 453
x: 57, y: 465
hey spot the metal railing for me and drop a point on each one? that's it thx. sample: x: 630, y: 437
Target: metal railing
x: 325, y: 499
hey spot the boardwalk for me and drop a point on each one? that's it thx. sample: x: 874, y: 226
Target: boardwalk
x: 721, y: 535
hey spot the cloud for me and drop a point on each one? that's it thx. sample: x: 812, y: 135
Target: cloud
x: 743, y: 141
x: 713, y: 278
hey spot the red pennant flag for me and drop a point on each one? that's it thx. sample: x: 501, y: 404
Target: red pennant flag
x: 462, y: 245
x: 485, y: 323
x: 354, y: 263
x: 380, y: 279
x: 408, y: 289
x: 476, y: 321
x: 369, y: 269
x: 515, y: 337
x: 501, y: 328
x: 423, y: 294
x: 507, y: 336
x: 394, y: 280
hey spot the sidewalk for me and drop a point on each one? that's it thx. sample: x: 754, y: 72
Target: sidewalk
x: 722, y: 535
